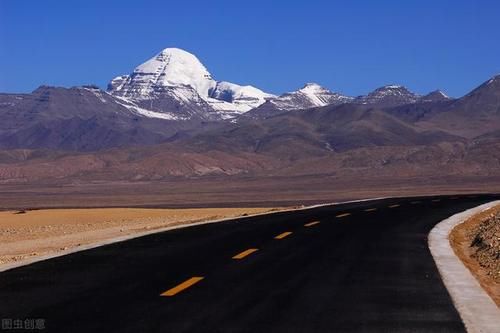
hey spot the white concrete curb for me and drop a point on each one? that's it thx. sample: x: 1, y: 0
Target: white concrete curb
x: 29, y: 261
x: 478, y: 311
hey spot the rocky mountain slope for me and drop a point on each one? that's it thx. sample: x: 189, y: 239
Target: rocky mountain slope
x: 390, y: 95
x: 87, y: 118
x: 82, y: 119
x: 424, y: 139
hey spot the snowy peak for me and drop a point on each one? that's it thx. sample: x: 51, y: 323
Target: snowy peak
x: 312, y: 88
x: 233, y: 99
x: 390, y: 95
x: 309, y: 96
x: 171, y: 67
x: 178, y: 76
x: 174, y: 67
x: 230, y: 92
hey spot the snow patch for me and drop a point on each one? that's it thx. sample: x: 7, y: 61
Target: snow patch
x: 310, y: 96
x: 144, y: 112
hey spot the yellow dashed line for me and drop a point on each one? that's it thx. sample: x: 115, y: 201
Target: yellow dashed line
x: 184, y: 285
x: 283, y: 235
x: 343, y: 215
x: 310, y: 224
x: 245, y: 253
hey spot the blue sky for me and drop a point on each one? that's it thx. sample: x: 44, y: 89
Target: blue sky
x: 347, y: 46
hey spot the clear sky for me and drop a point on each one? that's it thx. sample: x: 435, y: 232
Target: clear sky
x: 348, y: 46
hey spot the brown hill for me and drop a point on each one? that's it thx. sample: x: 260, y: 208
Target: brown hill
x: 78, y: 135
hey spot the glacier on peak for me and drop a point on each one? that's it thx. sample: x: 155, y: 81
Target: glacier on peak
x: 182, y: 76
x: 175, y: 81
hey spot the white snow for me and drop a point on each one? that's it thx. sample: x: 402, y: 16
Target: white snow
x: 146, y: 113
x: 152, y: 114
x: 443, y: 94
x: 314, y: 93
x: 174, y: 67
x: 118, y: 82
x: 309, y: 96
x: 188, y: 81
x: 230, y: 96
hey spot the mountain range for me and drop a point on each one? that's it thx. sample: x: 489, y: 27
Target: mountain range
x: 171, y: 118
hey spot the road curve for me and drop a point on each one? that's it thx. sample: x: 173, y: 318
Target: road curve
x: 346, y: 268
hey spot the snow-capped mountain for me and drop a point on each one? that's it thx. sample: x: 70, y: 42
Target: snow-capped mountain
x: 176, y: 79
x: 176, y: 83
x: 87, y: 119
x: 226, y: 96
x: 312, y: 95
x: 309, y: 96
x: 390, y: 95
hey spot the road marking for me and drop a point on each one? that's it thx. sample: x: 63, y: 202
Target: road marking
x: 436, y: 200
x: 310, y: 224
x: 245, y: 253
x: 394, y: 206
x: 283, y: 235
x: 343, y: 215
x: 415, y: 202
x: 184, y: 285
x: 370, y: 209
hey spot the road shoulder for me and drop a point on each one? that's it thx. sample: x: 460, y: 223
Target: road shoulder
x: 477, y: 310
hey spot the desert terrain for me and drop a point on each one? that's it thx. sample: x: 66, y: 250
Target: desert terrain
x: 27, y: 234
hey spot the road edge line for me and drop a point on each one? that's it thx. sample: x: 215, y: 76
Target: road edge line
x: 478, y: 311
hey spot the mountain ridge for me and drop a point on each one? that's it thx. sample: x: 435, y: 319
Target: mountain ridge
x: 153, y: 106
x: 176, y: 79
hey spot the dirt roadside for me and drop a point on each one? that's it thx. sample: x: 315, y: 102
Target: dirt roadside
x: 25, y: 235
x: 477, y: 243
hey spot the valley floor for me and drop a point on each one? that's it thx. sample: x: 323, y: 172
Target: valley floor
x: 237, y: 191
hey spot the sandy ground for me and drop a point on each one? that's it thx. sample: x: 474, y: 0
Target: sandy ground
x: 484, y: 267
x: 31, y: 233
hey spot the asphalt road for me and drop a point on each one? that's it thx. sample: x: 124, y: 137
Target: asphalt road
x: 365, y: 267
